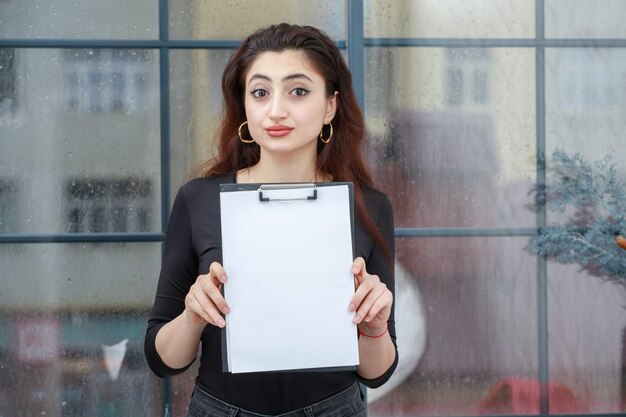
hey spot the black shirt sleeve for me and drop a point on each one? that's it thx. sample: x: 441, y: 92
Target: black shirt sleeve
x: 179, y: 271
x: 380, y: 262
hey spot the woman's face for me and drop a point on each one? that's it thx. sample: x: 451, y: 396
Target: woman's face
x: 286, y: 104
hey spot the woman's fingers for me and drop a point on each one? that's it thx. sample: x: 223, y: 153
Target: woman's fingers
x: 218, y: 277
x: 216, y: 270
x: 370, y: 292
x: 199, y: 308
x: 371, y: 297
x: 205, y: 298
x: 214, y: 294
x: 358, y: 267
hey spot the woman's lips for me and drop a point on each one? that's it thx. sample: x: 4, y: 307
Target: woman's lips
x: 278, y: 131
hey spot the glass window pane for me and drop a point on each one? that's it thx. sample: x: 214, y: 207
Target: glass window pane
x: 195, y: 101
x: 466, y: 326
x: 182, y: 389
x: 585, y: 19
x: 218, y: 19
x: 113, y: 19
x: 80, y: 145
x: 453, y: 134
x: 585, y: 105
x: 449, y: 19
x: 587, y: 340
x: 72, y: 326
x: 91, y: 276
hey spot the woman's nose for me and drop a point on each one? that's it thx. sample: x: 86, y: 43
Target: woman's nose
x: 277, y: 109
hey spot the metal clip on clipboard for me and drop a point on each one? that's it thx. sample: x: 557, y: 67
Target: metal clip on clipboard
x: 287, y: 192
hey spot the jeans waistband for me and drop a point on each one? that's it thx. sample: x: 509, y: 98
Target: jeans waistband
x: 346, y: 402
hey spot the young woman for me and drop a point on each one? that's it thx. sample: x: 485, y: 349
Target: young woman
x: 290, y: 115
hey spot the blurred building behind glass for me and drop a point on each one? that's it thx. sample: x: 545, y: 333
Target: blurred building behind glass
x: 107, y: 107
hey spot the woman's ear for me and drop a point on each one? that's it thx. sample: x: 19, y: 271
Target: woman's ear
x: 331, y: 108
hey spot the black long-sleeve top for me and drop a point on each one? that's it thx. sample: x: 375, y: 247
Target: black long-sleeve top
x: 193, y: 242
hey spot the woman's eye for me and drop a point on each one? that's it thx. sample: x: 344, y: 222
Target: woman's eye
x: 299, y: 91
x: 259, y: 93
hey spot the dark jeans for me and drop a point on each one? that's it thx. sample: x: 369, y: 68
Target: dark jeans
x: 347, y: 403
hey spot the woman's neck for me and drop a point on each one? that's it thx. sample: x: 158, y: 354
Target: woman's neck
x: 272, y: 169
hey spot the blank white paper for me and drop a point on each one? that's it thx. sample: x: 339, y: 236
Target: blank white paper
x: 289, y: 281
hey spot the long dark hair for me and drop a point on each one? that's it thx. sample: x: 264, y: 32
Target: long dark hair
x: 341, y: 158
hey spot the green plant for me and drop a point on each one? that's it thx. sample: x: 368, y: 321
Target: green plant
x: 597, y: 200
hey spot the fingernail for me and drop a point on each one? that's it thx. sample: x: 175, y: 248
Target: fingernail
x: 356, y: 319
x: 223, y: 279
x: 221, y: 323
x: 352, y: 307
x: 226, y: 310
x: 355, y: 269
x: 368, y: 319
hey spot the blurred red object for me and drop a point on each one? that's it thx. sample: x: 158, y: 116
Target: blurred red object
x: 521, y: 396
x: 621, y: 241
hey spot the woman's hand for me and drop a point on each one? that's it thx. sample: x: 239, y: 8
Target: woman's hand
x: 205, y: 301
x: 372, y: 301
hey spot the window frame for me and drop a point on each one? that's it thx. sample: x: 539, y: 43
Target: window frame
x: 358, y: 44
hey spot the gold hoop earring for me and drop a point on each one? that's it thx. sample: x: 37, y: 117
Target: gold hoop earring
x: 326, y: 140
x: 239, y: 133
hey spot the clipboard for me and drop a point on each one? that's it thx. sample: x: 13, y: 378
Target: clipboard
x: 288, y: 252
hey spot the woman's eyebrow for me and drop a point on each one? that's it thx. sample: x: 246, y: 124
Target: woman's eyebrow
x: 286, y: 78
x: 296, y: 76
x: 259, y: 77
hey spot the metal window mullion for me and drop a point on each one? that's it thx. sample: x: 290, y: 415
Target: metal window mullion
x: 164, y: 86
x: 119, y: 43
x: 164, y: 90
x: 29, y: 238
x: 542, y: 279
x: 494, y: 43
x: 356, y: 52
x: 408, y: 232
x: 450, y: 42
x: 354, y: 29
